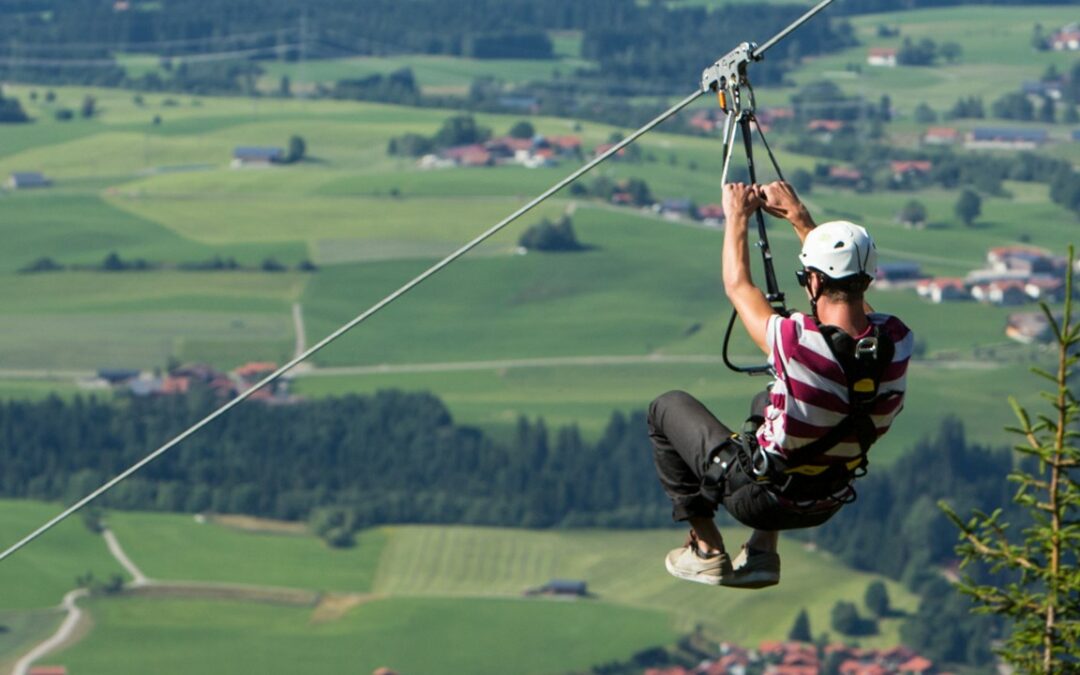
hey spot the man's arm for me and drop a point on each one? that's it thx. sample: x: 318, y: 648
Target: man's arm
x: 779, y: 200
x: 754, y: 310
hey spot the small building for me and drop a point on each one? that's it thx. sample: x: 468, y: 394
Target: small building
x: 826, y: 126
x: 566, y: 588
x: 255, y: 370
x: 1028, y: 327
x: 845, y: 176
x: 704, y: 121
x: 1024, y: 259
x: 1002, y: 292
x: 23, y: 180
x: 711, y: 214
x: 1067, y: 39
x: 897, y: 272
x: 1039, y: 88
x: 604, y: 147
x: 940, y: 136
x: 248, y: 156
x: 941, y: 290
x: 1045, y: 288
x: 676, y: 208
x: 1001, y: 138
x: 902, y: 170
x: 916, y: 665
x: 882, y: 57
x: 566, y: 145
x: 117, y: 376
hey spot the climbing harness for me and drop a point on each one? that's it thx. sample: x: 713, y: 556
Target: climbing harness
x: 806, y: 483
x: 715, y: 78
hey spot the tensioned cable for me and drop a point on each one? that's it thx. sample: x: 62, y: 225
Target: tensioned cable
x: 351, y: 324
x: 390, y: 298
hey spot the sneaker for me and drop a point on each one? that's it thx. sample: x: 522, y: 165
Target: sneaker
x: 688, y: 562
x: 754, y: 569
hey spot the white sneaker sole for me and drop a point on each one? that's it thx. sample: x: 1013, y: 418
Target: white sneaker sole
x: 691, y: 576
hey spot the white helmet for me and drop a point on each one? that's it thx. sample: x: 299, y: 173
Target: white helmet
x: 839, y: 249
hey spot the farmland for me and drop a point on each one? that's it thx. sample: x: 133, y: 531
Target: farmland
x: 431, y: 580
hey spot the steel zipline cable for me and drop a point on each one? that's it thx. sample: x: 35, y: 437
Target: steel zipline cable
x: 756, y: 53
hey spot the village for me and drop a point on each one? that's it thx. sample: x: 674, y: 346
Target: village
x: 789, y: 657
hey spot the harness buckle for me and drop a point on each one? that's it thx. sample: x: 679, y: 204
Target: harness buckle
x: 866, y: 347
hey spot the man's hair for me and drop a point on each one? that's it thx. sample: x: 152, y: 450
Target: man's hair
x: 848, y: 290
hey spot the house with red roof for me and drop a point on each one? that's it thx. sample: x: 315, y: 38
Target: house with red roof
x: 845, y: 176
x: 916, y: 665
x: 711, y: 214
x: 826, y: 126
x: 882, y: 57
x: 943, y: 289
x: 910, y: 168
x: 1066, y: 39
x: 940, y: 136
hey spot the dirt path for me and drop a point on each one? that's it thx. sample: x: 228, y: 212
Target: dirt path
x: 69, y: 631
x: 139, y: 579
x: 515, y: 363
x: 298, y: 326
x: 60, y: 638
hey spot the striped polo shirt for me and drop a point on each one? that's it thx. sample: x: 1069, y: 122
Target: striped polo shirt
x: 810, y: 395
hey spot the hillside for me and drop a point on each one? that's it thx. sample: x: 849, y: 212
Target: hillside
x: 432, y: 580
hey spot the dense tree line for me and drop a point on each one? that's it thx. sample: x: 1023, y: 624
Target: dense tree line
x: 631, y: 42
x: 392, y: 457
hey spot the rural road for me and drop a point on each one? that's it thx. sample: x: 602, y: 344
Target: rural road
x: 61, y: 636
x: 139, y: 579
x: 513, y: 363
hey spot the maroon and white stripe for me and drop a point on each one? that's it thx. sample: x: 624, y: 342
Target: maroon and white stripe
x: 810, y: 395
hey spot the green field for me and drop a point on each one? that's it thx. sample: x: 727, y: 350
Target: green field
x: 412, y: 635
x: 997, y: 55
x: 435, y: 586
x: 39, y: 576
x: 176, y: 547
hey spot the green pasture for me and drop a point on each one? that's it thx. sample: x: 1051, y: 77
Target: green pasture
x: 997, y: 55
x: 81, y: 229
x: 39, y: 575
x: 31, y: 389
x: 411, y: 635
x: 90, y: 320
x: 22, y: 630
x: 624, y: 568
x: 176, y: 547
x: 432, y: 73
x: 336, y: 229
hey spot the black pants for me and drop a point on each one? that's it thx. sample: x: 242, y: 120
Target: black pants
x: 686, y: 437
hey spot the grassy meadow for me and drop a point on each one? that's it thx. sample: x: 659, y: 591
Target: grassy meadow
x: 400, y: 586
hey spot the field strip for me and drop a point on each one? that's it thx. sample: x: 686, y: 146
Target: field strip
x: 550, y: 362
x: 45, y: 374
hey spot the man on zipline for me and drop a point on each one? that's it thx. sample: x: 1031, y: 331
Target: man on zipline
x: 840, y: 380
